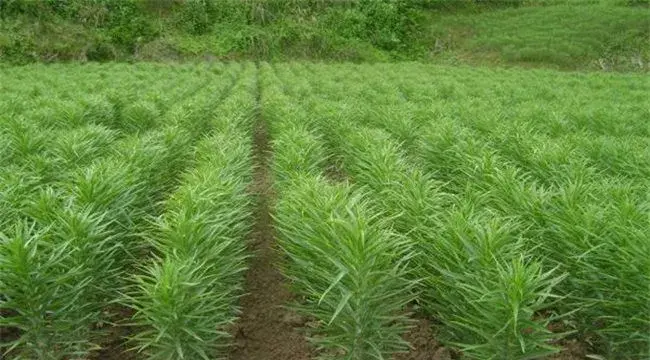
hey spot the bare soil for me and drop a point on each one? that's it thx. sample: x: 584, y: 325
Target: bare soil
x: 572, y: 350
x: 267, y: 330
x: 7, y: 334
x: 115, y: 345
x: 423, y: 343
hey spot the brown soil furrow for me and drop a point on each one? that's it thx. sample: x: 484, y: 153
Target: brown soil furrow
x: 266, y: 329
x: 423, y: 343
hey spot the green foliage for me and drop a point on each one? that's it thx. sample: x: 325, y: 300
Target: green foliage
x: 602, y: 34
x: 510, y: 205
x: 138, y: 116
x: 186, y: 297
x: 588, y: 36
x: 486, y: 291
x: 50, y: 295
x: 195, y: 16
x: 387, y: 24
x: 488, y: 264
x: 32, y: 8
x: 127, y: 25
x: 83, y: 175
x: 358, y: 285
x: 540, y: 194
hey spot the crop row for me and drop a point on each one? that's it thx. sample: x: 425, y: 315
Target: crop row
x: 186, y: 298
x: 32, y: 127
x: 35, y: 155
x: 506, y: 205
x: 439, y: 260
x: 354, y: 289
x: 513, y: 206
x: 73, y: 230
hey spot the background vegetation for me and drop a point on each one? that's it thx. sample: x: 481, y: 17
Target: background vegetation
x: 599, y: 34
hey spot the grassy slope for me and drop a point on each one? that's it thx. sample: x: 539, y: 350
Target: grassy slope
x: 564, y: 37
x: 595, y: 37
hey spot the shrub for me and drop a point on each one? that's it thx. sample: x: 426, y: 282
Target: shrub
x: 194, y: 16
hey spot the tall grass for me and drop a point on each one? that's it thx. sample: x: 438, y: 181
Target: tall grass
x: 615, y: 37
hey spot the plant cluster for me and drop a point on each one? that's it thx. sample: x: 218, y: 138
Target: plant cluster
x: 356, y: 290
x: 511, y: 206
x: 519, y: 208
x: 83, y: 177
x: 187, y: 295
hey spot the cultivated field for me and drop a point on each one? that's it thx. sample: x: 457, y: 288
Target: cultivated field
x: 145, y: 208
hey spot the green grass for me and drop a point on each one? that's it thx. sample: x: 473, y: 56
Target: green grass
x: 594, y: 35
x: 599, y: 37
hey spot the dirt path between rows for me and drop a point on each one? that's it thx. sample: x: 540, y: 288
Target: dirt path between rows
x: 266, y: 330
